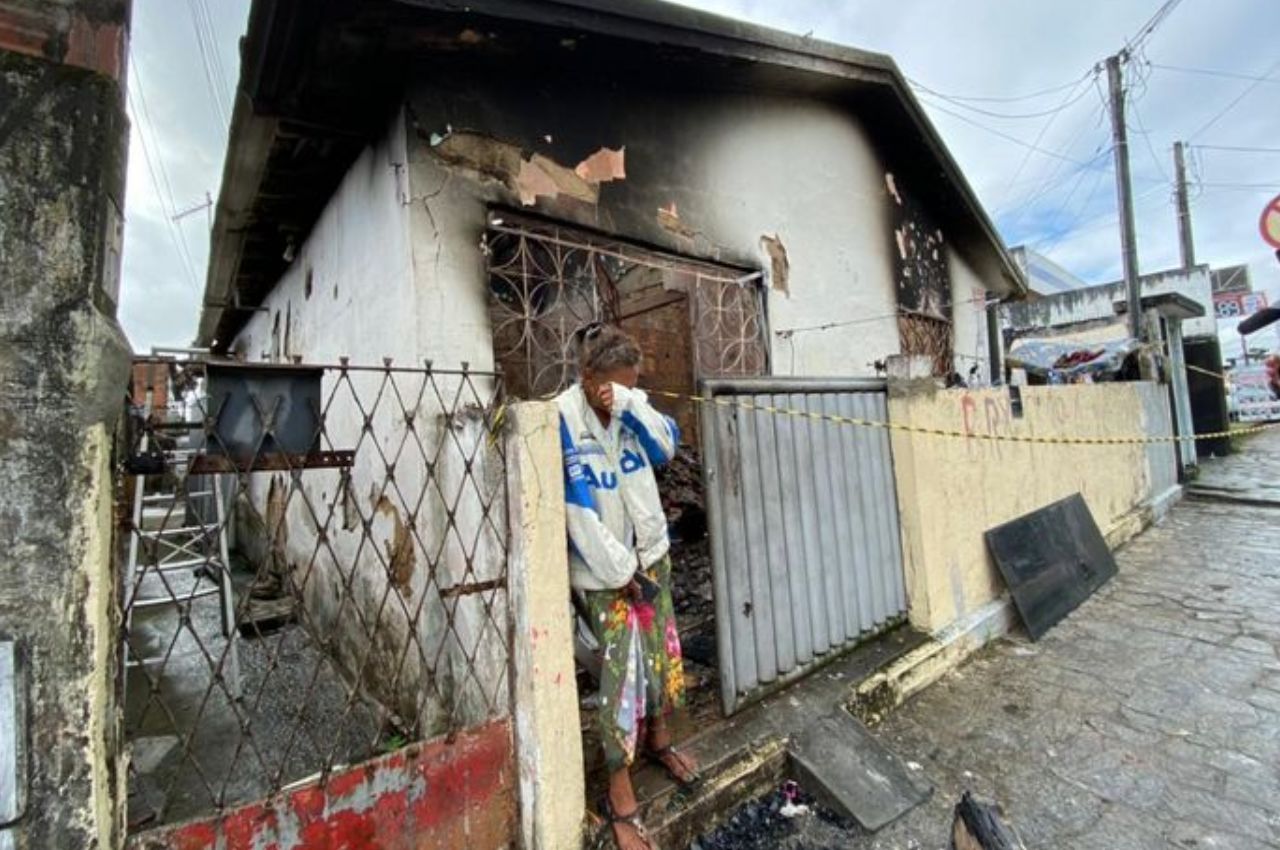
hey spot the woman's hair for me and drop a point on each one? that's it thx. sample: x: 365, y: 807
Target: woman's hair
x: 605, y: 347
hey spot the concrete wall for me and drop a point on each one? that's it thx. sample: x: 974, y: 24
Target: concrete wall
x: 548, y: 728
x: 969, y: 320
x: 353, y: 291
x: 951, y: 490
x: 63, y: 379
x: 1097, y: 304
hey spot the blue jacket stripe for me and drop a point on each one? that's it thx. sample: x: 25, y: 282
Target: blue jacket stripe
x: 652, y: 448
x: 576, y: 491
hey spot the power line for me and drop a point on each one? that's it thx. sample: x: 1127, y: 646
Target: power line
x: 1146, y: 138
x: 1236, y: 148
x: 1004, y: 115
x: 163, y: 187
x: 1026, y: 157
x: 1053, y: 181
x: 1271, y: 187
x: 1230, y: 75
x: 1247, y: 90
x: 211, y: 32
x: 1047, y: 245
x: 207, y: 65
x: 787, y: 333
x: 1005, y: 136
x: 170, y: 226
x: 1108, y: 219
x: 1009, y: 99
x: 1149, y: 28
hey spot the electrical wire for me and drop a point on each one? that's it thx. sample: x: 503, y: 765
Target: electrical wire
x: 1007, y: 99
x: 206, y: 62
x: 1222, y: 112
x: 1162, y: 14
x: 211, y: 33
x: 1235, y: 148
x: 163, y: 187
x: 1048, y: 243
x: 1272, y: 187
x: 1002, y: 115
x: 1229, y: 75
x: 1026, y: 157
x: 787, y: 333
x: 1005, y: 136
x: 1109, y: 218
x: 1053, y: 181
x: 1141, y: 130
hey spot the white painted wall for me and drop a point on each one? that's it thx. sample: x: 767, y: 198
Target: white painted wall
x: 969, y: 321
x: 374, y: 294
x: 829, y: 205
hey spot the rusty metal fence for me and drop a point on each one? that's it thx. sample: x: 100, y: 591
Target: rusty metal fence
x: 312, y: 572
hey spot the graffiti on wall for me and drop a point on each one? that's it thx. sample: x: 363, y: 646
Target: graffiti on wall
x: 988, y: 417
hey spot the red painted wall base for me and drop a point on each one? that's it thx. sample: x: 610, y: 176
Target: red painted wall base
x: 429, y: 796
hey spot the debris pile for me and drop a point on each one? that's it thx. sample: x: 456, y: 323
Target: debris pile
x: 787, y: 819
x: 684, y: 501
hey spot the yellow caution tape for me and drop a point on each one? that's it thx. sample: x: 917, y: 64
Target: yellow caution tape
x: 1209, y: 372
x: 964, y: 435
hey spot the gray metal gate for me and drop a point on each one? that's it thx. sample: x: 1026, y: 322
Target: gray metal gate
x: 803, y: 512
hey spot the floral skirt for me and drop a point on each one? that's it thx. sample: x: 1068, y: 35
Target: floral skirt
x: 642, y: 674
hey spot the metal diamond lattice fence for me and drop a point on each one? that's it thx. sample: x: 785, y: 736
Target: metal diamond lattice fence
x: 313, y: 571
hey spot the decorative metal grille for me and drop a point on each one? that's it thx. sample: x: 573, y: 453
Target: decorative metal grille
x: 930, y: 336
x: 729, y: 331
x: 312, y: 577
x: 546, y: 282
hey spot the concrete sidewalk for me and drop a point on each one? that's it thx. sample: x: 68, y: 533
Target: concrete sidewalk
x: 1150, y: 718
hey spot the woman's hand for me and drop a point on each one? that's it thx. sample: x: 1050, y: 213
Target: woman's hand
x: 604, y: 395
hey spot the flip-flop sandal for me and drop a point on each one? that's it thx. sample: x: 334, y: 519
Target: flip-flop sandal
x: 612, y: 818
x: 657, y: 756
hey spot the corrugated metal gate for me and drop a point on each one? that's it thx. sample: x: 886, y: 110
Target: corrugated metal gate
x: 804, y: 521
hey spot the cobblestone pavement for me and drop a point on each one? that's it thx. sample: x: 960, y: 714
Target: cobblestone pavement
x: 1148, y: 719
x: 1258, y: 480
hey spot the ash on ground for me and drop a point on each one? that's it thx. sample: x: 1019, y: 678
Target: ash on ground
x: 763, y: 825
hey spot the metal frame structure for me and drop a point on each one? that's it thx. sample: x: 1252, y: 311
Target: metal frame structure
x: 384, y: 552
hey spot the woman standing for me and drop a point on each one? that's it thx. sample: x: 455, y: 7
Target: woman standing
x: 612, y: 440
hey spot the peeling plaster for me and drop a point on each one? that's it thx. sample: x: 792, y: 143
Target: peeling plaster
x: 542, y: 176
x: 401, y: 558
x: 778, y: 265
x: 603, y: 166
x: 669, y: 220
x: 529, y: 177
x: 892, y: 186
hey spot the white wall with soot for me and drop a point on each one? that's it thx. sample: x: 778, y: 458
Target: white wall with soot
x: 359, y: 288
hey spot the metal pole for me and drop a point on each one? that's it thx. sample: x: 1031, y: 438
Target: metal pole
x: 1124, y: 195
x: 1185, y: 241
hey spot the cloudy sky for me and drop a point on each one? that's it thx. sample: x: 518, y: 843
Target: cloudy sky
x: 1009, y: 83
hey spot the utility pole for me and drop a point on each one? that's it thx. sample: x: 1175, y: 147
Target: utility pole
x: 1184, y: 209
x: 1124, y: 194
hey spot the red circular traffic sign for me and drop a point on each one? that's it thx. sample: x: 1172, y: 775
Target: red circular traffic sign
x: 1269, y: 223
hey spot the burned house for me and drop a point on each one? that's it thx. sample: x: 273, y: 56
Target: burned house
x: 448, y: 187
